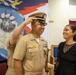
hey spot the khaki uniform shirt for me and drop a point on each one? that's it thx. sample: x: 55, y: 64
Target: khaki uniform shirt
x: 10, y: 60
x: 31, y: 53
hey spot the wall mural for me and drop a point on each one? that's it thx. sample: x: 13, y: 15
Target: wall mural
x: 9, y: 20
x: 12, y: 14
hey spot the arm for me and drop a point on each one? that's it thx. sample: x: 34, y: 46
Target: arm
x: 46, y: 62
x: 19, y: 29
x: 51, y: 68
x: 18, y: 67
x: 19, y: 55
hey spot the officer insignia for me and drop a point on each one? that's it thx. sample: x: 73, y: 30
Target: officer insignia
x: 32, y: 46
x: 44, y: 16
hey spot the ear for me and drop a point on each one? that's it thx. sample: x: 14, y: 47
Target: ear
x: 74, y: 33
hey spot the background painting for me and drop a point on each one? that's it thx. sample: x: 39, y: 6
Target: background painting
x: 12, y: 14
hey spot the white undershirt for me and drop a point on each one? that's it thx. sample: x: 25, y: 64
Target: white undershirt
x: 37, y: 39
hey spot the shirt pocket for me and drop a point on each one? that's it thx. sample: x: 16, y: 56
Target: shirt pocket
x: 32, y: 53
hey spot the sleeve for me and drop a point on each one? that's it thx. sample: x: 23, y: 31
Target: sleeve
x: 20, y: 49
x: 60, y: 46
x: 10, y: 47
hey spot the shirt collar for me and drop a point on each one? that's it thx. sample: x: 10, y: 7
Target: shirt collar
x: 33, y: 38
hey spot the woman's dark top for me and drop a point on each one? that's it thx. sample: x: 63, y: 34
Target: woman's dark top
x: 66, y: 60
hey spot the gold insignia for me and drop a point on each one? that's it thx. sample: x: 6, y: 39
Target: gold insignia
x: 33, y: 46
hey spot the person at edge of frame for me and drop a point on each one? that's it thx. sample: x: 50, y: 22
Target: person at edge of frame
x: 66, y: 63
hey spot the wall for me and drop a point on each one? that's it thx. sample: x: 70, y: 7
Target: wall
x: 59, y: 17
x: 72, y: 12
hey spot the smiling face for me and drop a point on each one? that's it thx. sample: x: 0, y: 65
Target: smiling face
x: 68, y: 33
x: 38, y: 28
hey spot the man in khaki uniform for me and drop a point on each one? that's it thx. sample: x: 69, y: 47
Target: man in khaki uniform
x: 30, y: 51
x: 12, y: 43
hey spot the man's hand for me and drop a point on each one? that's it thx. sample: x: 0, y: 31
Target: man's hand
x: 29, y: 20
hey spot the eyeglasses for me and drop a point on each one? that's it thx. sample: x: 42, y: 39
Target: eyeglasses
x: 42, y: 24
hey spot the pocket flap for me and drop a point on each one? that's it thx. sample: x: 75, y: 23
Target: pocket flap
x: 33, y: 50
